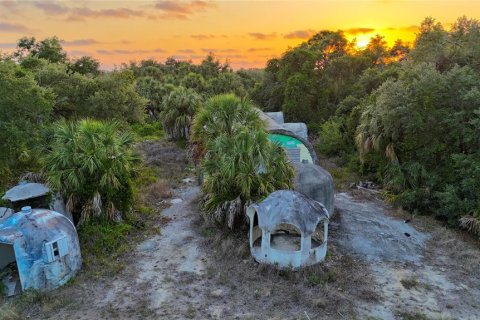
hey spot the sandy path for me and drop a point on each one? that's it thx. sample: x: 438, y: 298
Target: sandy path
x: 175, y: 276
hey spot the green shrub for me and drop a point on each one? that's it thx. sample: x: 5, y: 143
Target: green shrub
x: 239, y: 169
x: 151, y: 130
x: 179, y: 108
x: 224, y: 114
x: 333, y: 140
x: 90, y: 163
x: 24, y: 107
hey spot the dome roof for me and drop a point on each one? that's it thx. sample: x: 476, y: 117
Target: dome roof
x: 287, y: 206
x: 35, y: 226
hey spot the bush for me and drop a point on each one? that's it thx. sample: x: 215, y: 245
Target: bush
x: 239, y: 169
x: 24, y: 109
x: 224, y: 114
x: 333, y: 140
x: 179, y: 108
x: 151, y: 130
x: 90, y: 163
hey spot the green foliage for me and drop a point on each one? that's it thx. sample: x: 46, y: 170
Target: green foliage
x: 241, y: 168
x: 412, y: 113
x: 101, y: 238
x: 226, y: 82
x: 90, y: 163
x: 333, y: 140
x: 24, y: 108
x: 115, y: 97
x: 299, y: 98
x: 153, y: 90
x: 49, y: 49
x: 193, y: 81
x: 179, y: 108
x: 224, y: 114
x: 108, y: 96
x: 150, y: 130
x: 425, y: 124
x: 240, y: 163
x: 71, y: 91
x: 85, y: 65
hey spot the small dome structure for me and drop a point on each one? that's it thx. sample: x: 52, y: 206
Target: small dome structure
x: 40, y: 248
x: 288, y: 229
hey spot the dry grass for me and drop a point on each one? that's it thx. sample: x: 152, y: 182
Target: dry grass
x: 168, y: 158
x: 461, y: 249
x: 156, y: 192
x: 322, y: 290
x: 163, y: 166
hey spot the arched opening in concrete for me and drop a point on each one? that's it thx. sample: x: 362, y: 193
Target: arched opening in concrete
x: 318, y: 236
x: 256, y: 232
x: 9, y: 276
x: 286, y: 237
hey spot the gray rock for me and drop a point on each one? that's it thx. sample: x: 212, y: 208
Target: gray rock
x: 316, y: 183
x: 176, y: 201
x: 148, y: 245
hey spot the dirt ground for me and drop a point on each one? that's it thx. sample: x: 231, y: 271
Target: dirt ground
x: 377, y: 267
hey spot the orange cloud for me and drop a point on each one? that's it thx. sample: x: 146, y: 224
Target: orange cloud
x: 186, y: 51
x: 80, y: 14
x: 406, y: 29
x: 202, y: 36
x: 13, y: 27
x: 263, y: 36
x: 127, y: 52
x: 182, y: 10
x: 7, y: 45
x: 81, y: 42
x: 355, y: 31
x: 259, y: 49
x: 228, y: 50
x: 51, y: 7
x: 300, y: 34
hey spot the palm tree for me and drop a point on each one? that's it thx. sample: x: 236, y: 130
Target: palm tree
x: 224, y: 114
x: 90, y: 163
x: 240, y: 168
x: 471, y: 223
x: 179, y: 108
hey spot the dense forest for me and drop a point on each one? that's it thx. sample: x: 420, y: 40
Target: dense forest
x: 407, y: 116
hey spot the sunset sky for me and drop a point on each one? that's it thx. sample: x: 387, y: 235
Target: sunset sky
x: 248, y: 33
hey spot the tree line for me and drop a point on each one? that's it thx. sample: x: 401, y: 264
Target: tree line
x: 74, y: 124
x: 407, y: 116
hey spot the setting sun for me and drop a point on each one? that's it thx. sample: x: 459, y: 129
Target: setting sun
x: 117, y: 31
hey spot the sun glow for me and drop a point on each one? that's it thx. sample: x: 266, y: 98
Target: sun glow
x: 361, y: 40
x: 114, y: 31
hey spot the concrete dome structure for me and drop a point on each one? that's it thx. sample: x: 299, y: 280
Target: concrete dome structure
x: 44, y: 247
x: 288, y: 229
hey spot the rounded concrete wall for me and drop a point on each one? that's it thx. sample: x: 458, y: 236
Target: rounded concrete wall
x: 316, y: 183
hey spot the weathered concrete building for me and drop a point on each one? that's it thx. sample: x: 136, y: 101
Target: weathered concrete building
x: 39, y: 250
x: 310, y: 179
x: 288, y: 229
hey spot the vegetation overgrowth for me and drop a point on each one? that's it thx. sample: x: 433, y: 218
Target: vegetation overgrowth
x: 406, y: 116
x: 240, y: 163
